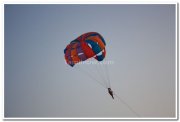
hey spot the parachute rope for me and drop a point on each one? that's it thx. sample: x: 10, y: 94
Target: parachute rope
x: 107, y: 73
x: 95, y: 75
x: 90, y: 76
x: 101, y: 75
x: 127, y: 105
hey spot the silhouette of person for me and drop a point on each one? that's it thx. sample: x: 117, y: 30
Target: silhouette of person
x: 110, y: 92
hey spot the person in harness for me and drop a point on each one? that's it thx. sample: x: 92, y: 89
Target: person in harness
x: 110, y: 92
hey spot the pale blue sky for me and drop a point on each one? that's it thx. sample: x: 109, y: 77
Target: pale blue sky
x: 140, y: 40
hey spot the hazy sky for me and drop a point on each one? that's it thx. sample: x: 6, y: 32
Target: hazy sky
x: 140, y: 41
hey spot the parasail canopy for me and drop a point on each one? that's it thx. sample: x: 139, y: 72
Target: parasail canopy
x: 86, y: 46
